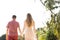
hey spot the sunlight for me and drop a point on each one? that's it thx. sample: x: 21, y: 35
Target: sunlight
x: 21, y: 8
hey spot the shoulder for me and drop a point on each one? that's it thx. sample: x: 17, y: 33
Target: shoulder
x: 17, y: 22
x: 9, y: 22
x: 25, y: 23
x: 33, y: 22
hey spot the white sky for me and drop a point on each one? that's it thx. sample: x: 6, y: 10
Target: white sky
x: 21, y: 8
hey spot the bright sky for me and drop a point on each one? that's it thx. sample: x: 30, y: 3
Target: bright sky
x: 20, y: 8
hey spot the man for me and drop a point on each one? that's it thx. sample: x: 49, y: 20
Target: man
x: 12, y: 27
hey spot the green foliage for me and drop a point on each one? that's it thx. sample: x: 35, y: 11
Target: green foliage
x: 20, y: 38
x: 54, y: 24
x: 51, y: 36
x: 41, y: 34
x: 51, y: 4
x: 38, y: 33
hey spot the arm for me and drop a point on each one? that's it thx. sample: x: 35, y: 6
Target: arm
x: 19, y: 29
x: 34, y: 27
x: 7, y: 34
x: 24, y: 27
x: 23, y: 30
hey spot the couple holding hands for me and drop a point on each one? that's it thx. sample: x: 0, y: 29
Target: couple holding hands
x: 28, y: 29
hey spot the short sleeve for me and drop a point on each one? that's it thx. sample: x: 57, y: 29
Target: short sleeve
x: 7, y: 25
x: 18, y: 25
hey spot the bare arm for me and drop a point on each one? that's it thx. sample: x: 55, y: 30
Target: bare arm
x: 34, y: 27
x: 7, y: 34
x: 7, y: 31
x: 24, y: 27
x: 19, y: 29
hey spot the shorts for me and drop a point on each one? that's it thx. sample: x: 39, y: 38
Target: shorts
x: 15, y: 37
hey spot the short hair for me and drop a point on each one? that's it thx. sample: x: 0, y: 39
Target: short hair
x: 14, y: 16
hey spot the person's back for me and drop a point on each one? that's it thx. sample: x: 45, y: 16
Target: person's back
x: 29, y: 31
x: 29, y: 28
x: 13, y: 25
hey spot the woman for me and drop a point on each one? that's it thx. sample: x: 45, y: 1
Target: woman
x: 29, y: 28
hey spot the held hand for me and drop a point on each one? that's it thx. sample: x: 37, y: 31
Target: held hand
x: 35, y: 31
x: 21, y: 34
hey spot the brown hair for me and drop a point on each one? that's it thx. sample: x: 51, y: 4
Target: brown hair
x: 29, y: 20
x: 14, y: 16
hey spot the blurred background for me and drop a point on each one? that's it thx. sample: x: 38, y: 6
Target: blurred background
x: 46, y: 14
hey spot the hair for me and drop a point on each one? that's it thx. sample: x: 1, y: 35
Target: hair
x: 14, y: 16
x: 29, y: 20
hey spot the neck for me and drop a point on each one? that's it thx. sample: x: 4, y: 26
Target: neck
x: 14, y: 20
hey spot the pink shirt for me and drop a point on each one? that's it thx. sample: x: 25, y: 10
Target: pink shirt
x: 12, y: 28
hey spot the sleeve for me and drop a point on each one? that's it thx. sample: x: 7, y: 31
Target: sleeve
x: 18, y: 25
x: 7, y: 25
